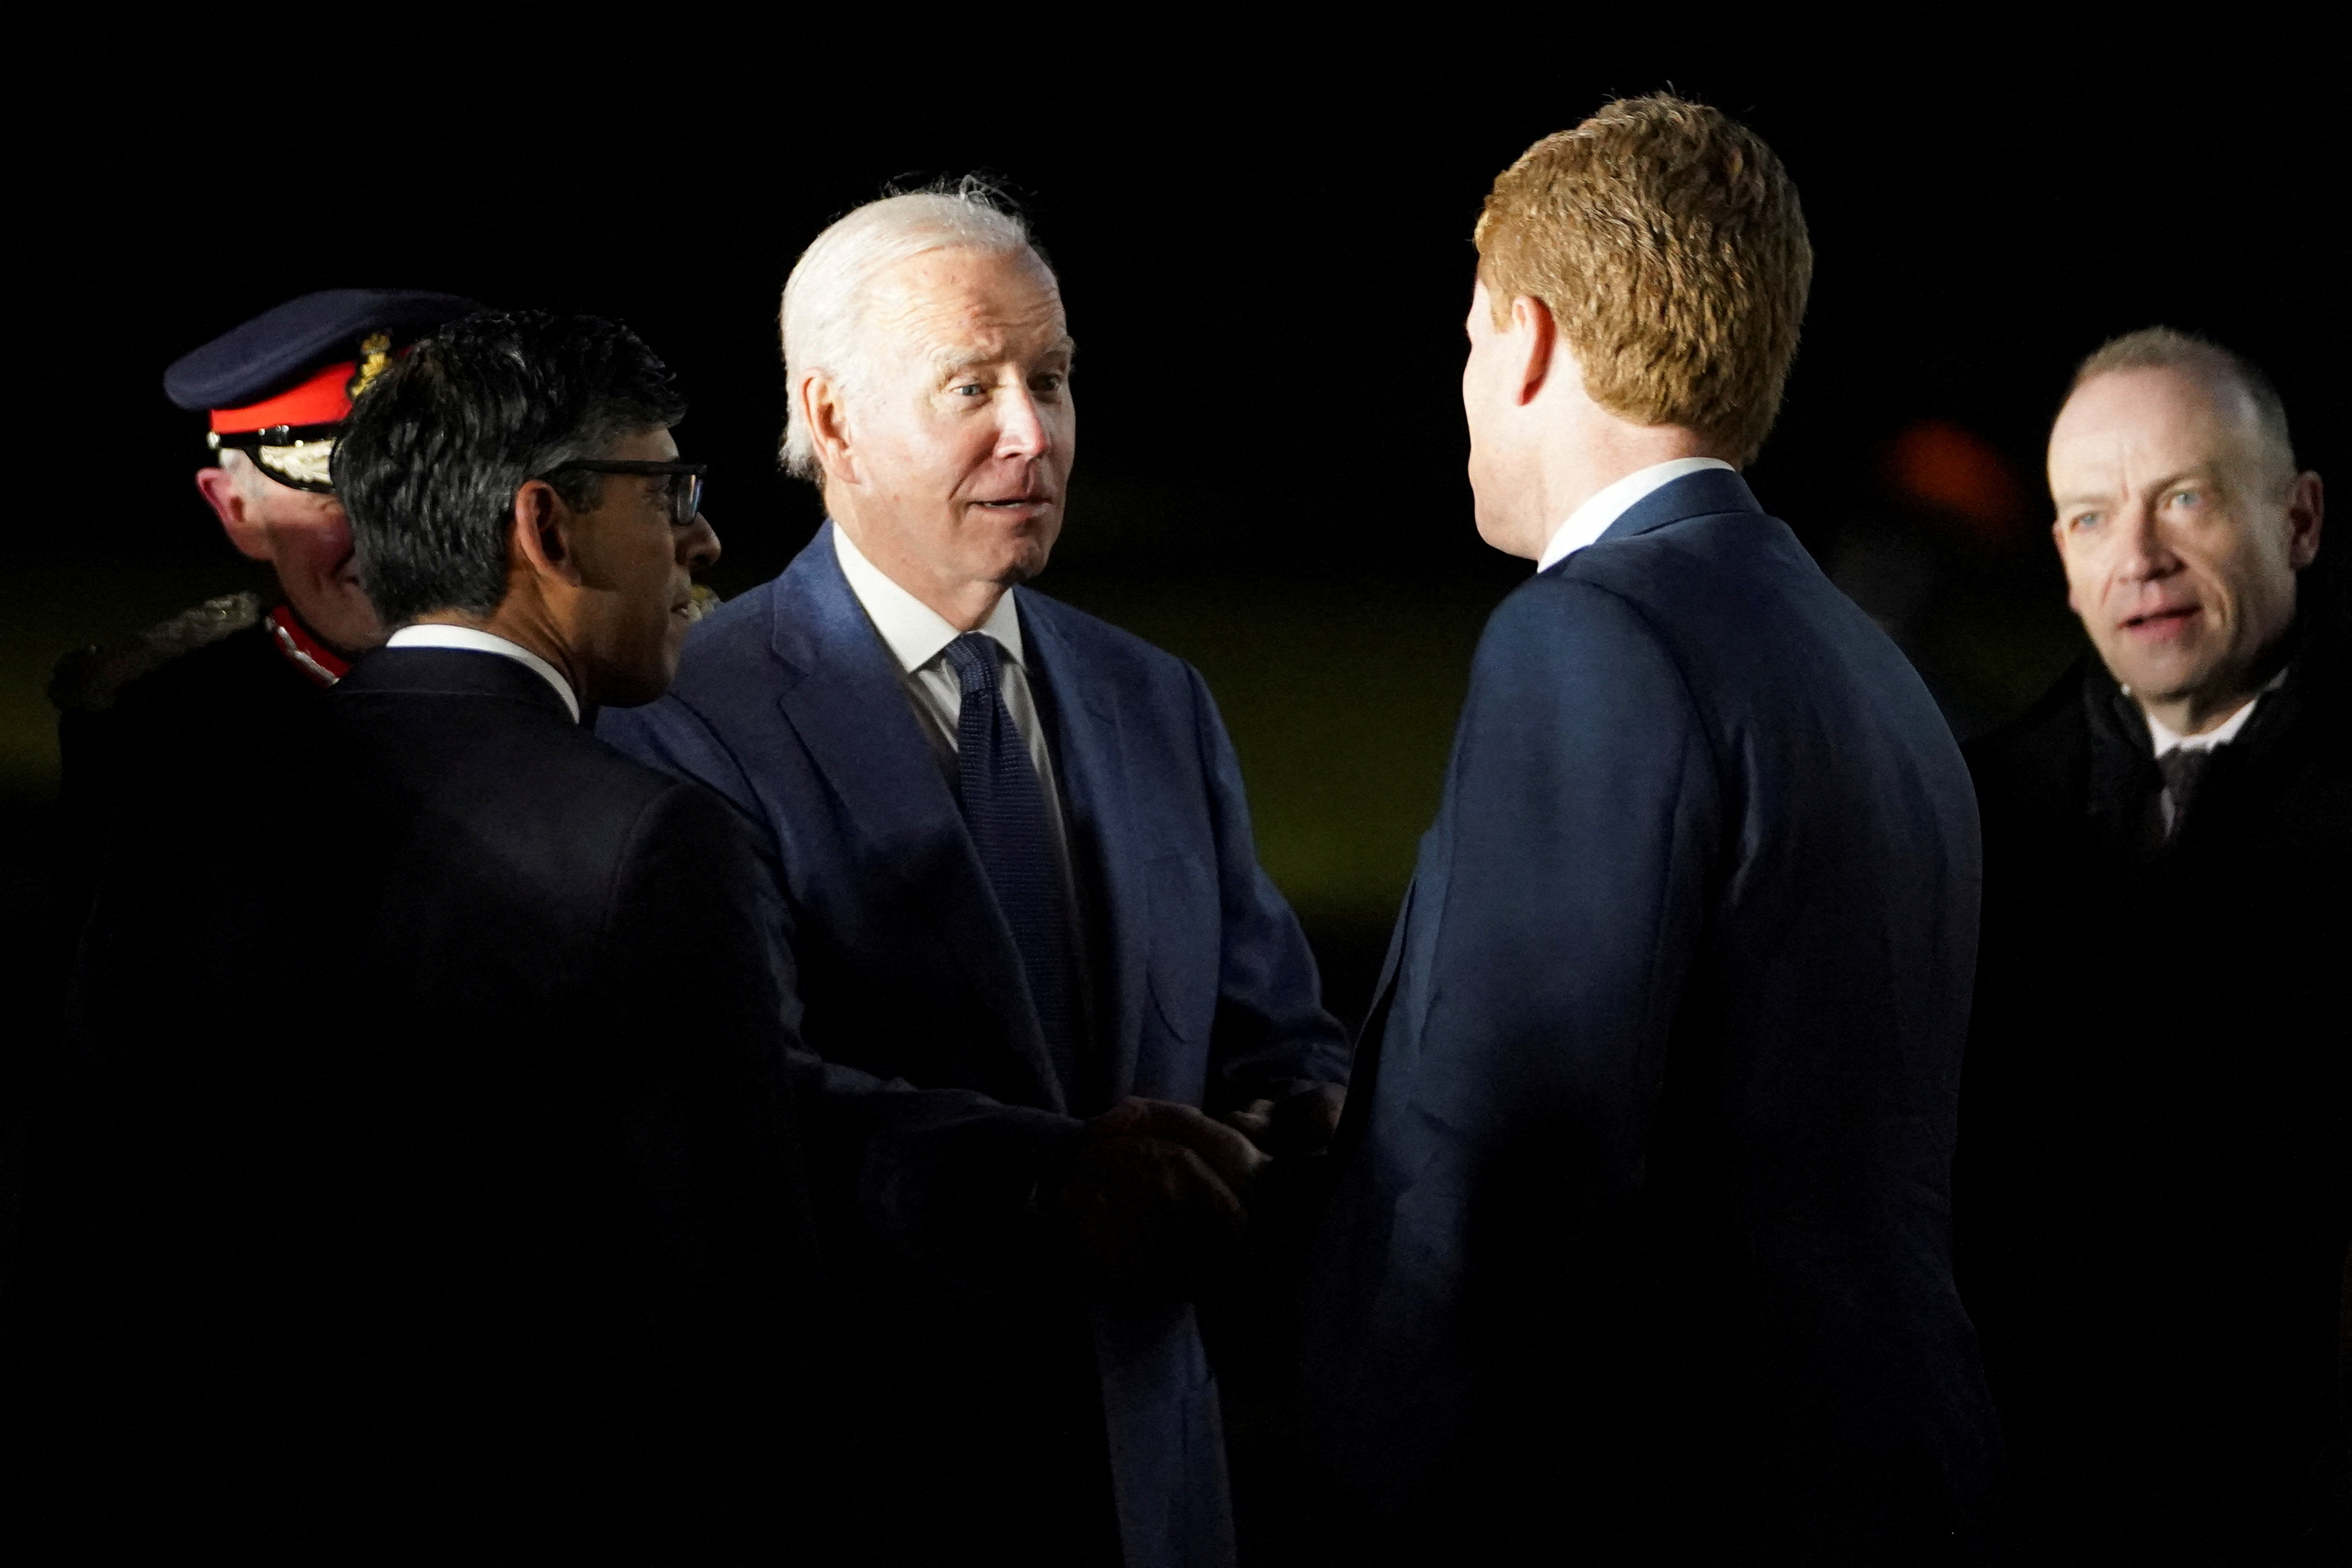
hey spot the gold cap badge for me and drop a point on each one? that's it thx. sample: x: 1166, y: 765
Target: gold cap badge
x: 375, y: 353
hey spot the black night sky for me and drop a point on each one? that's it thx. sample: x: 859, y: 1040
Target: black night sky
x: 1262, y: 238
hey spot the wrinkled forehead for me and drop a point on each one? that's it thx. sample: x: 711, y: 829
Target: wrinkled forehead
x: 958, y: 306
x: 2169, y: 418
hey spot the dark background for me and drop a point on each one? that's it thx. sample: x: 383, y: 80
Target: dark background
x: 1264, y: 245
x: 1263, y: 234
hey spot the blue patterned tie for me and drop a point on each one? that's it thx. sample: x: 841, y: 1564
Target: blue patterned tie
x: 1004, y: 807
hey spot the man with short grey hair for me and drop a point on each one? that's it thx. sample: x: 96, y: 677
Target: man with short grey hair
x: 2153, y: 1194
x: 1051, y: 986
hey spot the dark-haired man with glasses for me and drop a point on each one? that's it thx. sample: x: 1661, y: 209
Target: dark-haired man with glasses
x: 622, y: 638
x: 513, y: 1257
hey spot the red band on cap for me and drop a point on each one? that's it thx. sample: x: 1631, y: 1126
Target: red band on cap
x: 321, y: 400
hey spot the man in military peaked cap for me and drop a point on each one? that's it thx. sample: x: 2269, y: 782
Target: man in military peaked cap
x: 221, y: 679
x: 165, y: 740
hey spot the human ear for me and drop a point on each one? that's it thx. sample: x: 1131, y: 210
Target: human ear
x: 1533, y: 328
x: 2306, y: 509
x: 828, y: 422
x: 227, y: 498
x: 541, y: 539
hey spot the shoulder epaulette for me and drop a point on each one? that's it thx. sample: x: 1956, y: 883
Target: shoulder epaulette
x: 89, y: 679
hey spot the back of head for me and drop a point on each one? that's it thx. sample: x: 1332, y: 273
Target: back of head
x: 1668, y: 244
x: 435, y: 448
x: 825, y: 298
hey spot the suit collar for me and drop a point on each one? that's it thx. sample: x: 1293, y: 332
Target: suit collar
x: 813, y: 613
x: 451, y: 672
x: 1610, y: 502
x: 2119, y: 778
x: 473, y: 639
x: 1707, y: 493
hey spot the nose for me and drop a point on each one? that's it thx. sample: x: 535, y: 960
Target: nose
x: 2145, y: 555
x: 698, y: 545
x: 1022, y: 431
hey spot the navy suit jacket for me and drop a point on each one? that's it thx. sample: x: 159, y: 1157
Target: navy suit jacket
x: 942, y: 1106
x: 1641, y: 1243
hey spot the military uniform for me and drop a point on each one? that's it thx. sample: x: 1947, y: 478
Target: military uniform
x: 197, y: 704
x: 176, y: 748
x: 193, y: 704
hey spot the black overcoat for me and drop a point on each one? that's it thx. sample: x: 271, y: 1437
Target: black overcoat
x: 2155, y: 1184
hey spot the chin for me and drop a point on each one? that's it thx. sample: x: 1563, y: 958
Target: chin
x: 1024, y: 561
x: 2161, y: 680
x: 354, y: 629
x: 1502, y: 539
x: 641, y: 680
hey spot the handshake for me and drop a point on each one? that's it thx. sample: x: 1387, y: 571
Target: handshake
x: 1157, y: 1196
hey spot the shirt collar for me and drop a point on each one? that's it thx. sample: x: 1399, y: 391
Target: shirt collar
x: 915, y: 633
x: 473, y: 641
x: 2169, y: 740
x: 1611, y: 501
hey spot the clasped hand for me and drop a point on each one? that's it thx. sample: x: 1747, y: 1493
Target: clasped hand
x: 1156, y: 1196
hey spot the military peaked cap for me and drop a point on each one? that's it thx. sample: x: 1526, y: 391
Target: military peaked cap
x: 278, y: 385
x: 247, y: 363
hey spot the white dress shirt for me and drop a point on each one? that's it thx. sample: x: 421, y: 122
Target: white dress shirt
x: 2222, y: 734
x: 917, y: 637
x: 1591, y: 521
x: 473, y: 641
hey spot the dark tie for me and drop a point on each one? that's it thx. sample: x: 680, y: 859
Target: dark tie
x: 2183, y: 770
x: 1004, y: 807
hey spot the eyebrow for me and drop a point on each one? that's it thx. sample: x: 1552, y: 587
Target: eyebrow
x: 2206, y: 474
x: 2083, y: 497
x: 948, y: 362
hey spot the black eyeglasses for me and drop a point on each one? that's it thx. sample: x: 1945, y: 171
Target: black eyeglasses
x: 685, y: 499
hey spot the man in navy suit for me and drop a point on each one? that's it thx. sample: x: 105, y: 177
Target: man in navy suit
x: 1641, y: 1249
x: 1016, y: 883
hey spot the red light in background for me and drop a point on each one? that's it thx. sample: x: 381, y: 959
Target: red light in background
x: 1959, y: 473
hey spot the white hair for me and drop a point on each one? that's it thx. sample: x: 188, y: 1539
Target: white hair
x: 241, y: 467
x: 826, y: 296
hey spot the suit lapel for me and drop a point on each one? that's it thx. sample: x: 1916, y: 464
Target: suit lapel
x: 1089, y: 753
x: 849, y: 709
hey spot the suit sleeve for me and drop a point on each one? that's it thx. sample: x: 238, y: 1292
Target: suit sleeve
x: 695, y: 1006
x: 1272, y: 1035
x: 1557, y: 909
x: 945, y: 1177
x: 699, y: 1004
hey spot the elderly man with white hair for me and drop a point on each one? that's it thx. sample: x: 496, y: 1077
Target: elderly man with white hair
x: 1014, y: 880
